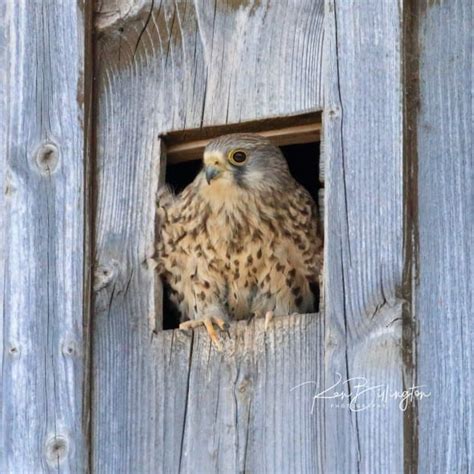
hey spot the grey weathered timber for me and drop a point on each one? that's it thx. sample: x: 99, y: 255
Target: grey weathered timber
x: 42, y: 259
x: 362, y: 146
x: 241, y: 410
x: 163, y: 402
x: 444, y: 303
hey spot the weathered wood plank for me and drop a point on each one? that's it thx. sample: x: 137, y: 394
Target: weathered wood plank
x: 242, y: 410
x: 362, y: 146
x: 444, y: 299
x: 42, y: 264
x: 170, y: 66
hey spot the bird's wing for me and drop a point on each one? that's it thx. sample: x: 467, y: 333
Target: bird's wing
x: 307, y: 226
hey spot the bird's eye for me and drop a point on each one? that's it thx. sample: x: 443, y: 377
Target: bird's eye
x: 237, y: 157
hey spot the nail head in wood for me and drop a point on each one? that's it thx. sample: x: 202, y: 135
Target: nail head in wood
x: 104, y: 274
x: 69, y: 348
x: 14, y: 350
x: 334, y: 113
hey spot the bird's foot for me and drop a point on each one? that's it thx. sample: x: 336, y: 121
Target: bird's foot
x: 209, y: 325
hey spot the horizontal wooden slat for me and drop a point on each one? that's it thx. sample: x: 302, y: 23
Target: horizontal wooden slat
x: 298, y: 134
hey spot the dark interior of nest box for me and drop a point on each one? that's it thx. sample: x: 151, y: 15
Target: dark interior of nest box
x: 297, y: 136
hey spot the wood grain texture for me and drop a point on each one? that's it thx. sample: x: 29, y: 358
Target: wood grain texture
x: 43, y: 226
x: 444, y: 299
x: 171, y: 66
x: 362, y: 146
x: 241, y: 410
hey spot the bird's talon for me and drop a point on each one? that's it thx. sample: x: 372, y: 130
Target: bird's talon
x: 268, y: 319
x: 224, y: 325
x: 208, y: 323
x: 186, y: 326
x: 212, y: 332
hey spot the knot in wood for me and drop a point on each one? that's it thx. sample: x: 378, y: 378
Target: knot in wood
x: 47, y: 158
x: 56, y: 449
x: 244, y: 385
x: 104, y: 274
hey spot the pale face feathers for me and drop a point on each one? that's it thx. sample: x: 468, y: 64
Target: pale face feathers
x: 246, y: 161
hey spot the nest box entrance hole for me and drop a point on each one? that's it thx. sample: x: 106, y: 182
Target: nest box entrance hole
x: 298, y: 137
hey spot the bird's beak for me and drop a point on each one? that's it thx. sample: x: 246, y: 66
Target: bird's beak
x: 211, y: 173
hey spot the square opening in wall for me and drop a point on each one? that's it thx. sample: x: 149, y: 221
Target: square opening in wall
x: 265, y: 203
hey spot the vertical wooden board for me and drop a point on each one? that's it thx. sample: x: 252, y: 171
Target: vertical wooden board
x: 161, y: 66
x: 444, y: 295
x: 172, y: 358
x: 42, y: 90
x: 124, y: 397
x: 362, y: 145
x: 284, y: 432
x: 247, y: 408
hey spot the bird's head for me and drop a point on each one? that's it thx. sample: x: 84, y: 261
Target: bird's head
x: 244, y: 160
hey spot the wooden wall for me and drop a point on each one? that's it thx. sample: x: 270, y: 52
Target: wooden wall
x: 82, y: 164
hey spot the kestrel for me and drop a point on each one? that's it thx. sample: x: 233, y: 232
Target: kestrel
x: 242, y: 240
